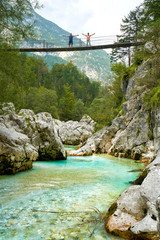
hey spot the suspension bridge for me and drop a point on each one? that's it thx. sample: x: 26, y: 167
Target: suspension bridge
x: 79, y: 44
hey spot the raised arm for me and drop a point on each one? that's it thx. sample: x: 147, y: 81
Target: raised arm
x: 92, y: 34
x: 84, y: 34
x: 65, y: 36
x: 75, y: 35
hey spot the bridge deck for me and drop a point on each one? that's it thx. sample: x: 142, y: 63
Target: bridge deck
x: 68, y: 49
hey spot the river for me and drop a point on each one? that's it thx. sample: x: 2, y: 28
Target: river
x: 63, y: 199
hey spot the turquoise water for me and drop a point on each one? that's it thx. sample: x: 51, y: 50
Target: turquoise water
x: 63, y: 199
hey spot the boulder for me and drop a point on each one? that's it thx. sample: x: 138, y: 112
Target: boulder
x: 16, y: 152
x: 26, y: 137
x: 136, y: 215
x: 50, y: 146
x: 74, y: 132
x: 100, y: 142
x: 130, y: 208
x: 40, y: 128
x: 132, y: 141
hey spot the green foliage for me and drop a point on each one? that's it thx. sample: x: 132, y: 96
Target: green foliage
x: 82, y: 88
x: 9, y: 75
x: 137, y: 58
x: 141, y: 24
x: 101, y: 110
x: 138, y: 132
x: 34, y: 71
x: 51, y: 60
x: 107, y: 106
x: 150, y: 135
x: 132, y: 24
x: 41, y: 100
x: 130, y: 28
x: 78, y: 110
x: 152, y: 37
x: 12, y: 24
x: 63, y: 91
x: 152, y: 12
x: 66, y: 103
x: 152, y: 76
x: 120, y: 71
x: 152, y: 98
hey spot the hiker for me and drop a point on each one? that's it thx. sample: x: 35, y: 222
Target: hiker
x: 70, y: 39
x: 88, y: 36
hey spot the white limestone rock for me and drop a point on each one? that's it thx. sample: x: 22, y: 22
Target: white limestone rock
x: 26, y: 137
x: 74, y: 132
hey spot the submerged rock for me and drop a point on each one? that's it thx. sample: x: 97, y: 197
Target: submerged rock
x: 26, y: 137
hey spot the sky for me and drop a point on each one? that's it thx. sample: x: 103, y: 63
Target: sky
x: 102, y: 17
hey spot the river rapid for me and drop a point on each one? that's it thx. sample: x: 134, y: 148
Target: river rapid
x: 63, y: 199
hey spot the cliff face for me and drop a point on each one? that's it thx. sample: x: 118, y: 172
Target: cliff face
x: 135, y: 134
x: 136, y: 213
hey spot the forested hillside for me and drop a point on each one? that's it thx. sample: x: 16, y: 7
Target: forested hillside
x: 63, y: 91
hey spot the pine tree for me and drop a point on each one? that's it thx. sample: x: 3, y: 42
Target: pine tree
x: 130, y: 28
x: 66, y: 103
x: 152, y: 10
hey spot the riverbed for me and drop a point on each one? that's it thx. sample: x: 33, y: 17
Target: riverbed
x: 63, y: 199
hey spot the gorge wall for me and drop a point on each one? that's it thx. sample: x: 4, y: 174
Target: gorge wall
x: 135, y: 132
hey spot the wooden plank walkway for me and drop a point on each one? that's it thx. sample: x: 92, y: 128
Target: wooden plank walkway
x: 69, y: 49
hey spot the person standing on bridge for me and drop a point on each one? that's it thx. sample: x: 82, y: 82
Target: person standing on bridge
x: 88, y: 36
x: 70, y: 39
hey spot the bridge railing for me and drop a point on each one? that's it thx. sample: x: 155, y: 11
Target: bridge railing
x: 63, y: 42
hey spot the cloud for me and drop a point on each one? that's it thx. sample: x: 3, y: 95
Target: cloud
x: 102, y: 17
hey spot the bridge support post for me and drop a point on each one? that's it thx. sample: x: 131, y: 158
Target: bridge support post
x: 129, y: 57
x: 43, y: 43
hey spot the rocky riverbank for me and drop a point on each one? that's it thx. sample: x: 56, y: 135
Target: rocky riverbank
x: 25, y: 138
x: 134, y: 215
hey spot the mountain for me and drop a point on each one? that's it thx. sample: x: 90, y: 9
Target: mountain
x: 95, y: 64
